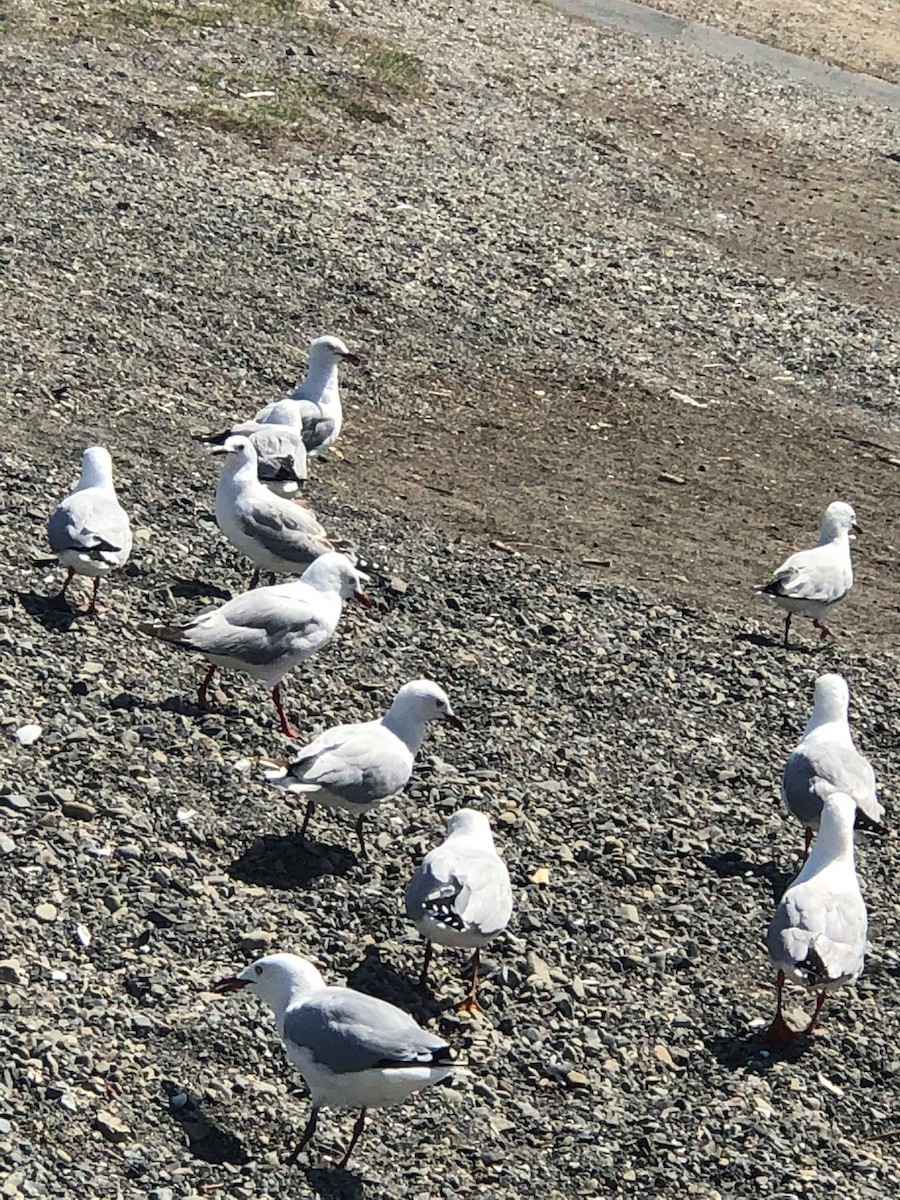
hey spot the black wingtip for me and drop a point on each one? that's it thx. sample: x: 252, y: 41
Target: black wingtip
x: 773, y: 588
x: 867, y: 825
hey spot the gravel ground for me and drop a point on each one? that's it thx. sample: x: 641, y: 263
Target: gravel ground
x: 540, y: 188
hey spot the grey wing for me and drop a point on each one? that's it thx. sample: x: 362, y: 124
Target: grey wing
x: 347, y: 1031
x: 317, y: 428
x: 361, y: 769
x: 814, y: 771
x: 90, y: 522
x: 258, y: 628
x: 821, y: 932
x: 464, y: 890
x: 809, y: 575
x: 286, y: 530
x: 280, y: 451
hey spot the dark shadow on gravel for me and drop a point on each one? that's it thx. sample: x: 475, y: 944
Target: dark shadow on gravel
x: 206, y: 1139
x: 290, y: 861
x: 44, y: 611
x: 379, y: 978
x: 775, y: 643
x: 196, y: 589
x: 334, y: 1184
x: 749, y: 1054
x: 730, y: 863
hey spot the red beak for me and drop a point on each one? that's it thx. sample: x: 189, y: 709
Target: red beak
x: 364, y: 600
x: 231, y: 984
x: 352, y: 358
x: 453, y: 720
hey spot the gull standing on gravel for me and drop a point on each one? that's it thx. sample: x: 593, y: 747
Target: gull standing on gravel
x: 818, y: 934
x: 356, y: 767
x: 277, y: 535
x: 313, y: 408
x: 280, y: 452
x: 825, y: 760
x: 353, y: 1050
x: 89, y: 532
x: 461, y: 895
x: 268, y: 631
x: 812, y: 581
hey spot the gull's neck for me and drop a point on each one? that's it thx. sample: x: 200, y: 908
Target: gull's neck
x: 407, y: 725
x: 832, y: 846
x: 830, y: 536
x: 241, y: 471
x: 95, y: 475
x: 319, y: 384
x: 832, y: 715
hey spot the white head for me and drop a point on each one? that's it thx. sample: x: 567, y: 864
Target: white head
x: 238, y: 451
x: 470, y: 823
x: 278, y: 979
x: 327, y: 352
x: 333, y: 572
x: 839, y: 518
x: 831, y: 699
x: 96, y: 467
x: 425, y: 701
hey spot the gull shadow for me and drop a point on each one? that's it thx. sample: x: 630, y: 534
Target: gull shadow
x: 334, y: 1183
x: 765, y: 642
x: 206, y: 1139
x: 53, y: 618
x: 730, y: 863
x: 196, y: 589
x: 750, y: 1053
x: 382, y: 979
x: 289, y: 862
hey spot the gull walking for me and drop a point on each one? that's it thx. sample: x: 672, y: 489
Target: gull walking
x: 313, y: 408
x: 818, y: 934
x: 353, y: 1050
x: 89, y: 532
x: 356, y: 767
x: 460, y: 895
x: 825, y: 760
x: 277, y: 535
x: 813, y: 581
x: 267, y: 632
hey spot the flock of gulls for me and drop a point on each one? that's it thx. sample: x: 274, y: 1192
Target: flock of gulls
x: 353, y: 1050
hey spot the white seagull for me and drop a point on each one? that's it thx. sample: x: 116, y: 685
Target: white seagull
x: 353, y: 1050
x: 356, y: 767
x: 267, y: 632
x: 312, y: 409
x: 817, y: 937
x: 825, y: 760
x: 277, y: 535
x: 89, y: 532
x: 460, y: 895
x: 813, y: 581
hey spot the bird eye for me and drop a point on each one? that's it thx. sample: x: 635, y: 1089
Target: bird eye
x: 440, y: 704
x: 258, y: 970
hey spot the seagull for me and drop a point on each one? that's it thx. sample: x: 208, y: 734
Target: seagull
x: 355, y: 767
x: 267, y: 632
x: 277, y: 535
x: 825, y: 761
x: 353, y: 1050
x: 313, y: 408
x: 460, y: 895
x: 818, y: 934
x: 811, y: 581
x: 89, y: 532
x: 281, y: 454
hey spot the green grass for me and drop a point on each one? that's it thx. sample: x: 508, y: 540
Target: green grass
x: 395, y: 71
x: 293, y: 104
x: 123, y: 17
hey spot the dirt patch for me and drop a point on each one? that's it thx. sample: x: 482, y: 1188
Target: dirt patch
x: 863, y: 35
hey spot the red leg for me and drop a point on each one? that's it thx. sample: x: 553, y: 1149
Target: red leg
x: 59, y: 600
x: 820, y: 1000
x: 254, y: 580
x: 286, y: 727
x: 92, y: 607
x: 429, y: 950
x: 311, y: 804
x: 824, y: 631
x: 779, y: 1032
x: 470, y: 1004
x: 201, y: 691
x: 787, y: 630
x: 272, y: 579
x: 807, y: 842
x: 357, y: 1130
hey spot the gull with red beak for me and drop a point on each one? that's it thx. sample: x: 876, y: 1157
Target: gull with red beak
x: 353, y: 1050
x: 268, y: 631
x: 313, y: 407
x: 812, y: 581
x: 357, y: 767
